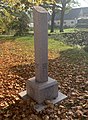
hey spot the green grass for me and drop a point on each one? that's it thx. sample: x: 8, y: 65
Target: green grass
x: 24, y: 46
x: 73, y: 53
x: 57, y: 45
x: 27, y: 43
x: 68, y: 30
x: 52, y: 44
x: 27, y: 40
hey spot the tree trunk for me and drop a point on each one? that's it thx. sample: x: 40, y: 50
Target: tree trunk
x: 52, y: 18
x: 62, y: 19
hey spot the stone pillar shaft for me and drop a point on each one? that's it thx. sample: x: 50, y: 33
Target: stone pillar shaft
x: 41, y: 44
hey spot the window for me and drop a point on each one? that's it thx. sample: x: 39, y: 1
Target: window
x: 72, y: 22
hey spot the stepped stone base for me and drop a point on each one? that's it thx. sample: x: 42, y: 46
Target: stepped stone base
x: 42, y: 91
x: 40, y: 107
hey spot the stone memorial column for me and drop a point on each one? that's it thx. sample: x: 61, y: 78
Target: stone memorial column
x: 41, y: 87
x: 41, y: 44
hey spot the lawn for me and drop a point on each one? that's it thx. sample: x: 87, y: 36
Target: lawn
x: 68, y: 30
x: 67, y: 64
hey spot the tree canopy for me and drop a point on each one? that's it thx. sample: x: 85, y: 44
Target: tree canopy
x: 14, y: 14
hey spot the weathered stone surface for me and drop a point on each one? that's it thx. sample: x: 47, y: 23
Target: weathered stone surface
x: 40, y: 107
x: 41, y: 43
x: 42, y: 91
x: 41, y: 87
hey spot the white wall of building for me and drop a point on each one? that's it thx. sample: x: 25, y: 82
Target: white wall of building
x: 68, y: 23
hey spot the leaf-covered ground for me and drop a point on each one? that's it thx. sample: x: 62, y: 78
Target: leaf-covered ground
x: 67, y: 65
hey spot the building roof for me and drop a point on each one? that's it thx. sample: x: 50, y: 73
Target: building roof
x: 76, y: 13
x: 73, y: 14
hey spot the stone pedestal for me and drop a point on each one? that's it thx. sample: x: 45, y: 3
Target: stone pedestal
x: 42, y: 91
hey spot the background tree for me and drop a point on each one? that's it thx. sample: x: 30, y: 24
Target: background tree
x: 52, y: 18
x: 19, y: 10
x: 60, y: 6
x: 55, y: 9
x: 12, y: 13
x: 20, y: 24
x: 66, y: 4
x: 5, y: 17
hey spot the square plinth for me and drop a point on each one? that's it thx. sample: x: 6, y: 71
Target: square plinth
x: 42, y: 91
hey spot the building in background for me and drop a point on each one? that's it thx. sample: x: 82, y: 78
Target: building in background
x: 72, y: 17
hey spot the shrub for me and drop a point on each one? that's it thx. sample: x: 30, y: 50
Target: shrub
x: 86, y: 48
